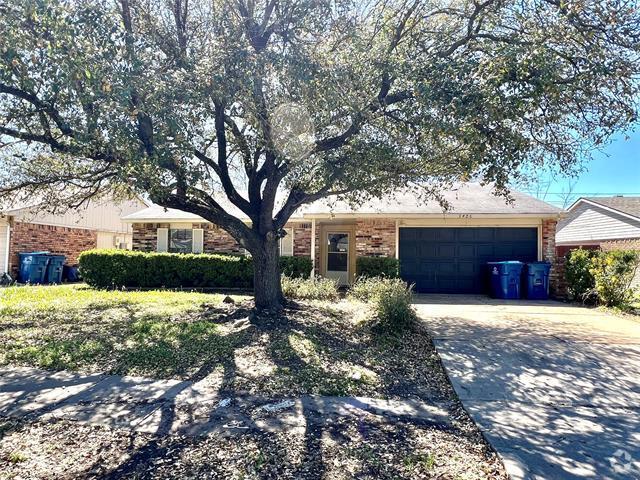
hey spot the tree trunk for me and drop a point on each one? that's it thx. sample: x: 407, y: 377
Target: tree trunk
x: 266, y: 275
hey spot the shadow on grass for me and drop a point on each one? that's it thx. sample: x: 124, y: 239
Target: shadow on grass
x: 312, y: 351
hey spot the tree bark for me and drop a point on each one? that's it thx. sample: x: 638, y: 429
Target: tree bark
x: 266, y: 274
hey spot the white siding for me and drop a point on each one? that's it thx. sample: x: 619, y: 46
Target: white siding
x: 588, y: 223
x: 100, y: 215
x: 4, y: 246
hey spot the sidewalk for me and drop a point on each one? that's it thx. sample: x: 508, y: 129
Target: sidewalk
x: 172, y: 406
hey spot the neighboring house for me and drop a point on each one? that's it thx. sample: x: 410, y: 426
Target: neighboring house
x: 600, y: 222
x: 24, y: 228
x: 605, y: 223
x: 438, y: 251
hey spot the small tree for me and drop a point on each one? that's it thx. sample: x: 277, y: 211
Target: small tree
x: 242, y: 111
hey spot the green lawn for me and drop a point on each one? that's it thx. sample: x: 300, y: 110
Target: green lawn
x: 156, y: 333
x: 316, y: 348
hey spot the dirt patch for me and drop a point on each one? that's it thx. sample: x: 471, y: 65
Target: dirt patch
x: 346, y: 448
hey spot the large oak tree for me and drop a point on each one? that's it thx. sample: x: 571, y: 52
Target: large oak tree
x: 271, y: 104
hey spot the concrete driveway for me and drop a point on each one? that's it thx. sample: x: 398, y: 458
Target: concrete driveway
x: 555, y: 388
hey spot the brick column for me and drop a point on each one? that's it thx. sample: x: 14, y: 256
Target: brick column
x: 557, y: 283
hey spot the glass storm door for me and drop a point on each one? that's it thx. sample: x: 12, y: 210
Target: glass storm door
x: 338, y: 257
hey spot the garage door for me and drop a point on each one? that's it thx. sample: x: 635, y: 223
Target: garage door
x: 453, y: 260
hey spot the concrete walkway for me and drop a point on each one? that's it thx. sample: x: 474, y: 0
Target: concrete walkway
x: 181, y: 407
x: 555, y: 388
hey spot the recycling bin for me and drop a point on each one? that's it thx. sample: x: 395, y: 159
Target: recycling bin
x: 505, y: 279
x: 538, y: 280
x: 33, y: 267
x: 55, y: 269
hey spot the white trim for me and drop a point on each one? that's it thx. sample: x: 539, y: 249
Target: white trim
x: 6, y: 252
x: 397, y: 239
x: 604, y: 207
x: 313, y: 247
x: 440, y: 216
x: 540, y: 249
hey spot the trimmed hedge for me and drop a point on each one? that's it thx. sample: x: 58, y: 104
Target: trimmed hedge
x: 296, y: 267
x: 123, y: 268
x: 377, y: 267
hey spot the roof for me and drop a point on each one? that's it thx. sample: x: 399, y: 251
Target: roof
x: 465, y: 198
x: 626, y: 205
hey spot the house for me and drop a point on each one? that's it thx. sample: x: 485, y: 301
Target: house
x: 604, y: 223
x: 439, y: 251
x: 26, y: 228
x: 600, y: 222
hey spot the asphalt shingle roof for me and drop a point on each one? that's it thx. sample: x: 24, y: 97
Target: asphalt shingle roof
x: 628, y: 205
x: 465, y: 198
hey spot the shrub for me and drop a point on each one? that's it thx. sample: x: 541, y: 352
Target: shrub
x: 296, y: 266
x: 613, y: 273
x: 123, y: 268
x: 377, y: 267
x: 580, y: 281
x: 316, y: 288
x: 390, y: 299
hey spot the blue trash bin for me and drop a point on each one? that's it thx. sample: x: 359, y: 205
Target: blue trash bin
x: 55, y: 269
x: 538, y: 280
x: 33, y: 267
x: 505, y: 279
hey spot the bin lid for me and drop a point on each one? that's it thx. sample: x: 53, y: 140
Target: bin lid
x: 506, y: 262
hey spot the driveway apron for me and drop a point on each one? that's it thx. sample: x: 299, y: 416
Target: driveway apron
x: 555, y: 388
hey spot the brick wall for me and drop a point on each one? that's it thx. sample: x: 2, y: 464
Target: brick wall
x: 216, y: 240
x: 626, y: 244
x: 32, y: 237
x: 557, y: 282
x: 145, y: 236
x: 376, y: 238
x: 301, y: 239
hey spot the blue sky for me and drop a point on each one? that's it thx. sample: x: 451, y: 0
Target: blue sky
x: 614, y: 170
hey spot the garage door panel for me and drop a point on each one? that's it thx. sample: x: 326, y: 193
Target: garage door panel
x: 446, y: 235
x: 467, y: 251
x: 447, y: 251
x: 453, y: 260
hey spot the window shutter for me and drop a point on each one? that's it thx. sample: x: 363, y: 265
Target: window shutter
x: 198, y: 240
x: 162, y: 239
x: 286, y: 243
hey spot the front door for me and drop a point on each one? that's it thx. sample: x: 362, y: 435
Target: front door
x: 338, y: 256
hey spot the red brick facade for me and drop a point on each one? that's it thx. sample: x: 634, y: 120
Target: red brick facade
x: 31, y: 237
x: 557, y: 282
x: 301, y: 239
x: 376, y: 238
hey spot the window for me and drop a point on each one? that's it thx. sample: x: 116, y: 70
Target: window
x: 180, y: 240
x: 286, y: 243
x: 338, y: 252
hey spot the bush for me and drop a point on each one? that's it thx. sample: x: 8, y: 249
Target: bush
x: 296, y: 266
x: 391, y: 302
x: 123, y: 268
x: 317, y: 288
x: 604, y: 277
x: 613, y: 273
x: 377, y: 267
x: 580, y: 281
